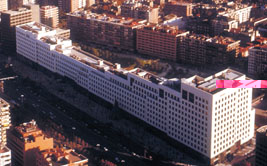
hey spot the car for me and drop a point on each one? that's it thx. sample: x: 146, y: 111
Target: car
x: 97, y: 145
x: 105, y: 149
x: 134, y: 154
x: 117, y: 159
x: 122, y: 161
x: 73, y: 128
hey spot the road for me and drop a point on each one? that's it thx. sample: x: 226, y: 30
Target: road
x: 39, y: 104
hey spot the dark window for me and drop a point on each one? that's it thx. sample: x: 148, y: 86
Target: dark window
x: 161, y: 93
x: 184, y: 94
x: 191, y: 97
x: 131, y: 81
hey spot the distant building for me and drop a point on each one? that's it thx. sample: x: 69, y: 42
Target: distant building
x: 35, y: 8
x: 24, y: 140
x: 60, y: 157
x: 3, y: 5
x: 159, y: 41
x: 239, y: 12
x: 71, y: 5
x: 179, y: 8
x: 140, y: 11
x: 202, y: 50
x: 5, y: 123
x: 14, y: 4
x: 261, y: 146
x: 221, y: 24
x: 64, y: 33
x: 257, y: 60
x: 49, y: 16
x: 111, y: 31
x: 199, y: 26
x: 9, y: 20
x: 5, y: 156
x: 90, y: 3
x: 173, y: 20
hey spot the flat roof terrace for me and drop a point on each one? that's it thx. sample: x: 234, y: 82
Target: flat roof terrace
x: 36, y: 28
x: 209, y: 84
x: 108, y: 18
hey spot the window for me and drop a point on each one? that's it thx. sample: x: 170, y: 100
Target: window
x: 161, y: 93
x: 184, y: 94
x: 191, y: 97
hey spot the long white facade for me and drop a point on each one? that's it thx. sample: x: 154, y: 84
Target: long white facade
x: 191, y: 111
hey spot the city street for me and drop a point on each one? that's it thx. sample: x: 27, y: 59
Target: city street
x: 134, y: 131
x: 37, y: 101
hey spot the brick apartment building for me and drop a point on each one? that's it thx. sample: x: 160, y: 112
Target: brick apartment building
x: 140, y: 11
x: 159, y: 41
x: 111, y: 31
x: 49, y: 16
x: 24, y: 141
x: 178, y: 8
x: 9, y: 20
x: 202, y: 50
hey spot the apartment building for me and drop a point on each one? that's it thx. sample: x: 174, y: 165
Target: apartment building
x: 221, y: 24
x: 159, y: 41
x: 60, y: 156
x: 203, y: 50
x: 257, y: 60
x: 261, y: 146
x: 9, y: 20
x: 5, y: 123
x: 138, y: 10
x: 24, y: 140
x: 100, y: 29
x: 5, y: 156
x: 3, y: 5
x: 49, y: 16
x: 71, y: 5
x: 239, y: 12
x: 178, y: 8
x: 210, y: 121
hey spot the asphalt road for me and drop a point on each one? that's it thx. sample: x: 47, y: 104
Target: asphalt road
x: 38, y: 101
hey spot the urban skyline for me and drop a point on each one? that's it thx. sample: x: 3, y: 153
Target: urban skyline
x: 132, y: 82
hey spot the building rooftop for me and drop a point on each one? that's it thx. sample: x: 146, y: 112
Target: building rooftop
x: 262, y: 130
x: 60, y: 156
x: 3, y: 103
x: 216, y: 39
x: 15, y: 12
x: 180, y: 3
x: 4, y: 149
x: 48, y: 7
x: 108, y: 18
x: 209, y: 84
x: 164, y: 29
x: 28, y: 131
x: 36, y: 28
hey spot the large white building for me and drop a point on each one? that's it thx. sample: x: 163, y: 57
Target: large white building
x: 239, y: 12
x: 5, y: 152
x: 192, y: 111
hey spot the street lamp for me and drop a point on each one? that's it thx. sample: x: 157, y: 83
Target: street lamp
x: 22, y: 97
